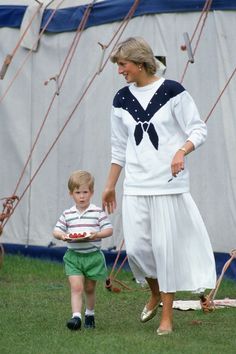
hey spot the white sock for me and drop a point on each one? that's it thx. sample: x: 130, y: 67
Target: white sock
x: 89, y: 312
x: 76, y: 314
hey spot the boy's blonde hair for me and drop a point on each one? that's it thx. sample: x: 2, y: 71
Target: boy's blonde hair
x: 137, y: 50
x: 80, y: 178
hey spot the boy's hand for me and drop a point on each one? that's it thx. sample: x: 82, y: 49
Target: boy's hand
x: 59, y: 235
x: 64, y: 237
x: 101, y: 234
x: 94, y: 236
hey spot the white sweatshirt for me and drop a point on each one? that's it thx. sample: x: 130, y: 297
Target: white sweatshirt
x: 149, y: 124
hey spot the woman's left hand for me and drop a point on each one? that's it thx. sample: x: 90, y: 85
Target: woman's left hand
x: 177, y: 164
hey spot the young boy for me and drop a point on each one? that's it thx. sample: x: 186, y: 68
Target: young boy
x: 84, y: 261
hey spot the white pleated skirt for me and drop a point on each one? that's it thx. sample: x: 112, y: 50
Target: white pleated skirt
x: 166, y: 239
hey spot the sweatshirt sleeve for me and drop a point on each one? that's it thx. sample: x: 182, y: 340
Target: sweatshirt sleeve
x: 119, y: 137
x: 187, y: 115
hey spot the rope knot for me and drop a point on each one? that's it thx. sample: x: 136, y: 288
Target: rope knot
x: 8, y: 205
x: 207, y: 304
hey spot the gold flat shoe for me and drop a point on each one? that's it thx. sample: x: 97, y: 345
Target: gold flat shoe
x: 147, y: 315
x: 163, y: 332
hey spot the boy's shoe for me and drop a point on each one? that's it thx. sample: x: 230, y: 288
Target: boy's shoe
x: 74, y: 323
x: 89, y: 321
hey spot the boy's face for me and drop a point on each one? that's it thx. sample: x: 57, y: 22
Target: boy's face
x: 82, y: 196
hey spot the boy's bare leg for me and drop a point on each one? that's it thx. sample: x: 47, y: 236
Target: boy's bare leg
x: 77, y: 289
x: 89, y: 289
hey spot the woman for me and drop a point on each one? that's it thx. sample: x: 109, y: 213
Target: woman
x: 155, y: 124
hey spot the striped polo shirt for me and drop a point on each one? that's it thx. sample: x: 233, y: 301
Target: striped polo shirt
x: 93, y: 219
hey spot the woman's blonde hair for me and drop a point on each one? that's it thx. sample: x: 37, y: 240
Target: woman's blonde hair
x: 137, y: 50
x: 80, y: 178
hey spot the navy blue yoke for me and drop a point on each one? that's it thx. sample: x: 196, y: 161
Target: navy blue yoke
x: 126, y: 100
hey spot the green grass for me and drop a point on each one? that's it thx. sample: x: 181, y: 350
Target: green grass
x: 35, y: 305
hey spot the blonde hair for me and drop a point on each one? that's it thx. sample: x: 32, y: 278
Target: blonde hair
x: 80, y: 178
x: 137, y: 50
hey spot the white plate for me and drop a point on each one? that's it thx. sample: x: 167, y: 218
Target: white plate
x: 69, y: 239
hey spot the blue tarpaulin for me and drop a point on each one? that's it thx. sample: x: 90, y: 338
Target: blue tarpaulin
x: 68, y: 19
x: 57, y: 253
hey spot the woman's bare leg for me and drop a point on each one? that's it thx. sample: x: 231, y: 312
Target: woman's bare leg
x: 155, y: 293
x: 166, y: 323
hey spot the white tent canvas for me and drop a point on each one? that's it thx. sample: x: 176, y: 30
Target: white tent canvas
x: 85, y: 141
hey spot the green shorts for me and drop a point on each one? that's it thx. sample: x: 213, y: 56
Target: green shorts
x: 91, y: 265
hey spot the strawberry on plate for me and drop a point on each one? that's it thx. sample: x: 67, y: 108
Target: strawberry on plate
x: 74, y: 237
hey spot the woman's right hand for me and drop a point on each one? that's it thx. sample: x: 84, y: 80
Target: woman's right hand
x: 109, y: 194
x: 109, y: 200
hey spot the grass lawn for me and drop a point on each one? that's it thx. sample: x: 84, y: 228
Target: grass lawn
x: 35, y: 305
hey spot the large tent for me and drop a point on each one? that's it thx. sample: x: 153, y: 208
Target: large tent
x: 51, y: 140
